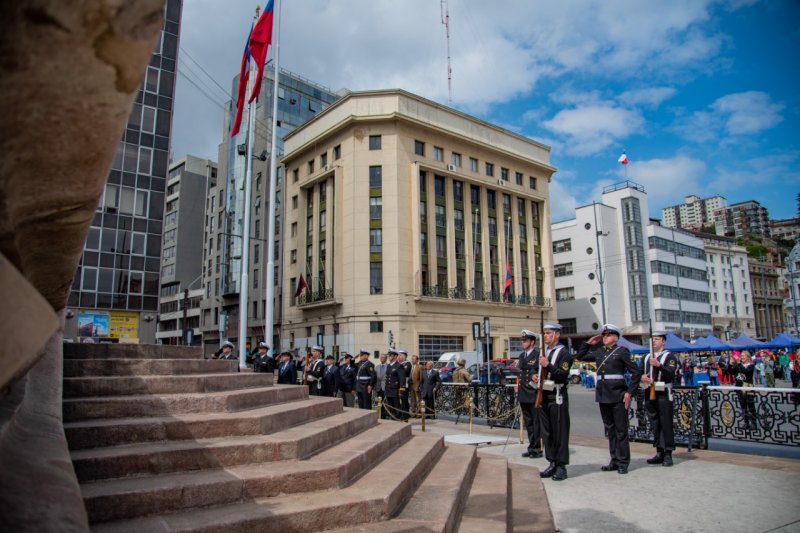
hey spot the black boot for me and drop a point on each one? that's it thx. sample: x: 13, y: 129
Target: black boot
x: 667, y: 459
x: 610, y: 467
x: 657, y: 459
x: 549, y: 471
x: 560, y: 473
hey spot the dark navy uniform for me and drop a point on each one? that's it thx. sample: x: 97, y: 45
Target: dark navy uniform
x: 365, y: 382
x: 554, y: 420
x: 264, y: 363
x: 395, y: 379
x: 660, y: 411
x: 404, y: 405
x: 316, y: 369
x: 287, y: 373
x: 526, y: 395
x: 612, y: 361
x: 330, y: 380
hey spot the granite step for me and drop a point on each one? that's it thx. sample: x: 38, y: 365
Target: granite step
x: 375, y: 496
x: 488, y: 506
x: 111, y: 432
x: 530, y: 511
x: 74, y: 350
x: 335, y: 467
x: 75, y: 409
x: 77, y: 387
x: 146, y: 367
x: 146, y: 459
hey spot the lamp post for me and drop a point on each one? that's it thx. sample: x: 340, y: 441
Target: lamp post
x: 600, y: 277
x: 486, y: 342
x: 677, y: 282
x: 792, y: 290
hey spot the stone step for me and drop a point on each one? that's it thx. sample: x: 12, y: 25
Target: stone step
x: 488, y: 505
x: 375, y: 496
x: 75, y: 350
x: 332, y: 468
x: 146, y: 459
x: 75, y: 409
x: 146, y: 367
x: 78, y: 387
x: 114, y: 432
x: 530, y: 511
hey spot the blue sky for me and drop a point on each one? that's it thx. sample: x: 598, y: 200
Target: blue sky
x: 701, y: 94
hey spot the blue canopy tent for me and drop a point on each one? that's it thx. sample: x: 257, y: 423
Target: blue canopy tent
x: 676, y: 344
x: 710, y: 343
x: 743, y: 342
x: 784, y: 340
x: 633, y: 348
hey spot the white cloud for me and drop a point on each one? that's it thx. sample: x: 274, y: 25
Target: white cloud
x: 668, y: 181
x: 747, y: 113
x: 562, y: 202
x: 650, y: 97
x: 593, y: 128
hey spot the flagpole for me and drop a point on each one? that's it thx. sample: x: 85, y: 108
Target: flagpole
x: 244, y: 281
x: 273, y: 171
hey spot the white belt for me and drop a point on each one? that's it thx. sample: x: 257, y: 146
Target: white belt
x: 365, y: 378
x: 312, y: 378
x: 610, y: 376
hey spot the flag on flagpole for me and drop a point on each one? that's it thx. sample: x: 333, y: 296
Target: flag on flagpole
x: 260, y: 39
x: 509, y: 281
x: 244, y: 75
x: 623, y: 159
x: 301, y: 286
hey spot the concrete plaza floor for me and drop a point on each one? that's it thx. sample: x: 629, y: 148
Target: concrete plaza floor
x: 706, y: 491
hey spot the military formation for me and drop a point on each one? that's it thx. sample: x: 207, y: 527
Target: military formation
x: 401, y: 385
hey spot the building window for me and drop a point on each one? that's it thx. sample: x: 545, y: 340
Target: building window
x: 460, y: 250
x: 565, y: 294
x: 564, y: 245
x: 311, y: 167
x: 375, y: 176
x: 455, y: 159
x: 492, y: 227
x: 532, y: 182
x: 490, y: 199
x: 255, y: 278
x: 293, y: 256
x: 423, y: 243
x: 518, y: 178
x: 438, y: 153
x: 323, y: 192
x: 375, y: 240
x: 337, y: 152
x: 419, y: 148
x: 376, y: 277
x: 458, y: 219
x: 256, y: 254
x: 458, y: 191
x: 432, y: 346
x: 295, y: 175
x: 441, y: 246
x: 490, y: 169
x: 568, y: 325
x: 475, y: 195
x: 564, y: 269
x: 423, y: 213
x: 294, y: 229
x: 438, y: 185
x: 375, y: 208
x: 374, y: 142
x: 473, y: 164
x: 323, y: 160
x: 441, y: 220
x: 376, y: 326
x: 504, y: 174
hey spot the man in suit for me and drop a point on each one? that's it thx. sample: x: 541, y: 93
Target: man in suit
x: 287, y: 373
x: 263, y: 361
x: 380, y: 381
x: 527, y: 389
x: 554, y: 418
x: 415, y: 385
x: 330, y: 378
x: 316, y: 368
x: 430, y: 384
x: 365, y: 380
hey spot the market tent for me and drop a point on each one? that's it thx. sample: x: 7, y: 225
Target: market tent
x: 676, y: 344
x: 710, y: 343
x: 633, y: 348
x: 784, y: 340
x: 743, y: 342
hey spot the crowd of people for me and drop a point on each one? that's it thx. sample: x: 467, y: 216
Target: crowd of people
x: 767, y: 367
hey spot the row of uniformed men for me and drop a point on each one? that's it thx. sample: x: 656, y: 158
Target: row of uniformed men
x: 550, y: 370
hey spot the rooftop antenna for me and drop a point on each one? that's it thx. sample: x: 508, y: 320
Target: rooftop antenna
x: 445, y: 12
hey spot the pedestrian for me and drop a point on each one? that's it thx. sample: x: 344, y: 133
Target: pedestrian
x: 263, y: 361
x: 769, y: 370
x: 611, y: 393
x: 430, y: 385
x: 395, y: 378
x: 783, y: 362
x: 414, y: 386
x: 316, y: 368
x: 556, y: 363
x: 688, y: 371
x: 365, y: 380
x: 795, y: 373
x: 380, y: 382
x: 659, y: 372
x: 347, y: 380
x: 527, y: 388
x: 287, y: 373
x: 461, y: 375
x: 743, y: 371
x: 330, y: 378
x: 405, y: 385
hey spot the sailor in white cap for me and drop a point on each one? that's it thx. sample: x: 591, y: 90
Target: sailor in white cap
x: 556, y: 364
x: 527, y: 388
x: 263, y: 361
x: 659, y: 372
x: 402, y: 358
x: 612, y: 392
x: 227, y: 351
x: 316, y: 369
x: 365, y: 380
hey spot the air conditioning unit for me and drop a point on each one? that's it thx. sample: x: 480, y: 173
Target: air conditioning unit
x: 503, y: 182
x: 451, y: 167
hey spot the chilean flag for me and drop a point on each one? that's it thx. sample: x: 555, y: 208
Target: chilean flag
x: 623, y: 159
x: 244, y: 75
x: 260, y: 39
x: 509, y: 281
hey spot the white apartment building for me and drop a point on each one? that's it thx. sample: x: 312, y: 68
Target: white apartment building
x: 694, y: 213
x: 792, y: 303
x: 611, y: 264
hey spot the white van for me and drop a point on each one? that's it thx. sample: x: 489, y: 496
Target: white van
x: 449, y: 361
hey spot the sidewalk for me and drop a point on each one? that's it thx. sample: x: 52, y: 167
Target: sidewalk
x: 706, y: 491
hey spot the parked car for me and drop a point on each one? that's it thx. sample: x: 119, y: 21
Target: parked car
x: 575, y: 371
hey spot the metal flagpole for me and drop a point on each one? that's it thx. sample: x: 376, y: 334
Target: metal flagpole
x: 273, y: 170
x: 244, y: 282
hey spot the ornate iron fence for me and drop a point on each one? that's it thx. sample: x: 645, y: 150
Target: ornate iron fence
x: 494, y: 404
x: 689, y: 416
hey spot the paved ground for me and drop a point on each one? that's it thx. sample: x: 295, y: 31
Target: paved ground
x: 706, y: 491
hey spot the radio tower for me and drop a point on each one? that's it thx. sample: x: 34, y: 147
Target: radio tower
x: 446, y: 21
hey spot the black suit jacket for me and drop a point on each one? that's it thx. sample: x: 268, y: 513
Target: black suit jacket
x: 330, y: 381
x: 287, y: 373
x: 430, y: 382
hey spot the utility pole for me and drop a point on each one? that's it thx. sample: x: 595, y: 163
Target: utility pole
x: 600, y: 277
x: 677, y: 282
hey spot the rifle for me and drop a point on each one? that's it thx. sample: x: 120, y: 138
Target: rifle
x: 542, y: 372
x: 652, y: 383
x: 305, y: 367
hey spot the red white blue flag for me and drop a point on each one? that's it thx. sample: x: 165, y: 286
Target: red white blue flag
x: 260, y: 39
x: 509, y: 281
x: 623, y: 159
x: 244, y: 75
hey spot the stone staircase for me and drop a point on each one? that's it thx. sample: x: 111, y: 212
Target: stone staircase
x: 163, y: 440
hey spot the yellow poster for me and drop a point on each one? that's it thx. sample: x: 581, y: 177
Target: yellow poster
x: 124, y: 325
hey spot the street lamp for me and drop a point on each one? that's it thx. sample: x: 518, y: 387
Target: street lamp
x: 600, y: 278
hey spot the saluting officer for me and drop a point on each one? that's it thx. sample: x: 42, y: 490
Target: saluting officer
x: 316, y: 369
x: 263, y: 361
x: 395, y: 378
x: 365, y: 380
x: 659, y: 372
x: 612, y: 392
x: 556, y: 364
x: 527, y: 387
x: 404, y: 386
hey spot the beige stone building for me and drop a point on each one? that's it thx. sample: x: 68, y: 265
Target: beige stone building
x: 402, y: 215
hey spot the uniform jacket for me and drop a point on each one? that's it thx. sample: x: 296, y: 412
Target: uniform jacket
x: 316, y: 369
x: 612, y: 361
x: 347, y: 378
x: 264, y: 363
x: 365, y: 376
x: 287, y: 373
x: 416, y: 376
x: 666, y: 372
x: 461, y: 375
x: 330, y: 380
x: 430, y: 382
x: 407, y: 373
x: 395, y: 379
x: 528, y: 368
x: 558, y: 369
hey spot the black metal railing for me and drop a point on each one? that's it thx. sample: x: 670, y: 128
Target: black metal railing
x: 309, y: 297
x: 457, y: 293
x: 688, y: 418
x: 493, y: 404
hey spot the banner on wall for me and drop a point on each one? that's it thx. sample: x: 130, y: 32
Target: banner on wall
x: 114, y: 326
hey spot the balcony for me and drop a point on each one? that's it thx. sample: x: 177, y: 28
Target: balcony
x: 318, y: 298
x: 443, y: 292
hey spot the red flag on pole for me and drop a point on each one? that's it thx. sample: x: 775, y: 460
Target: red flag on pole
x: 244, y: 75
x: 260, y: 39
x: 623, y: 159
x: 301, y: 286
x: 509, y: 281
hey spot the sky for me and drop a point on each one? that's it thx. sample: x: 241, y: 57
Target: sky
x: 702, y: 95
